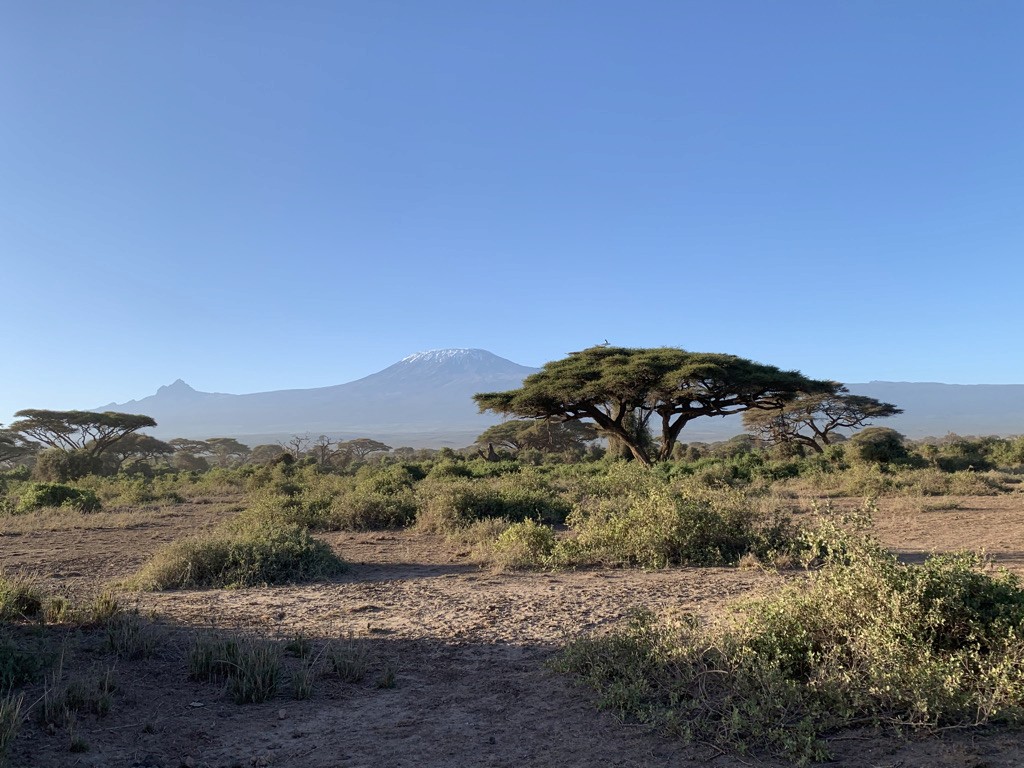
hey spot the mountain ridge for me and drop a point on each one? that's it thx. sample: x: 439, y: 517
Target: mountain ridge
x: 425, y: 400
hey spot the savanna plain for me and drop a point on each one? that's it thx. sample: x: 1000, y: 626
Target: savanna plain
x: 735, y: 606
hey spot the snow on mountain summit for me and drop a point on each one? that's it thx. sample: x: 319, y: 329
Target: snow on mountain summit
x: 446, y: 355
x: 447, y: 363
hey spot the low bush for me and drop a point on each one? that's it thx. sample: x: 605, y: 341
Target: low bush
x: 865, y: 640
x: 241, y: 555
x: 41, y: 495
x: 451, y: 504
x: 56, y: 466
x: 128, y: 491
x: 658, y: 523
x: 366, y: 509
x: 524, y: 545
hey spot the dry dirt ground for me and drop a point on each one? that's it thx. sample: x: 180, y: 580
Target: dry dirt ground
x: 467, y: 648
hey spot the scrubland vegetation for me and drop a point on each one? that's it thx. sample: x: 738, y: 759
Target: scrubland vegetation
x: 865, y: 640
x: 862, y: 640
x: 854, y: 638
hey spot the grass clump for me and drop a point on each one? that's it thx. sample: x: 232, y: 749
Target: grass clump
x: 256, y: 673
x: 250, y: 669
x: 20, y: 661
x: 350, y: 660
x: 64, y: 698
x: 865, y: 640
x: 11, y: 717
x: 236, y: 555
x: 20, y: 598
x: 129, y: 636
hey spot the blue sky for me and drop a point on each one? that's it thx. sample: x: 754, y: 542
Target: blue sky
x: 265, y: 195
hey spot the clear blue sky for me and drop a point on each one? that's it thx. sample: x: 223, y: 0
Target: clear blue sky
x: 265, y: 195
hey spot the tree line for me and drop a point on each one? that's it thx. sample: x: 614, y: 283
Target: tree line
x: 66, y: 445
x: 636, y: 402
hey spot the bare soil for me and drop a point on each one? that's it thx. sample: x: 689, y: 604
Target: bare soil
x: 467, y: 647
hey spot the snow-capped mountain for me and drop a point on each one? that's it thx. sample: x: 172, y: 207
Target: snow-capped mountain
x: 425, y: 399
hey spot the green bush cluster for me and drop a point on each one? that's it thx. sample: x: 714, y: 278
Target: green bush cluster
x: 42, y: 495
x: 527, y: 544
x: 124, y: 490
x: 662, y: 525
x: 453, y: 504
x: 864, y: 640
x: 241, y: 554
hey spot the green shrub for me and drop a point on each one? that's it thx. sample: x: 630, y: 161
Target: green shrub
x: 126, y: 491
x: 524, y: 545
x: 452, y: 504
x: 366, y: 509
x: 864, y: 640
x: 56, y: 466
x: 268, y: 507
x: 878, y: 445
x: 448, y: 505
x: 41, y: 495
x: 241, y: 554
x: 448, y: 468
x: 377, y: 497
x: 658, y: 524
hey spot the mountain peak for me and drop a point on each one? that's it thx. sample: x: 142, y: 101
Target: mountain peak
x: 178, y: 387
x: 446, y: 355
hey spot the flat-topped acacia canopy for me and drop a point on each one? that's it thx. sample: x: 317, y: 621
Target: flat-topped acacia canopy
x: 605, y: 384
x: 78, y: 430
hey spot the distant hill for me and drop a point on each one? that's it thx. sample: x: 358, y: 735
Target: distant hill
x: 425, y: 400
x: 933, y: 410
x: 929, y: 410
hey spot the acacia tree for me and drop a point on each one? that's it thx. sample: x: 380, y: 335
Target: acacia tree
x: 265, y: 453
x: 190, y: 446
x: 227, y: 450
x: 611, y: 385
x: 78, y: 431
x: 361, y: 447
x: 813, y: 419
x: 138, y: 446
x: 13, y: 446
